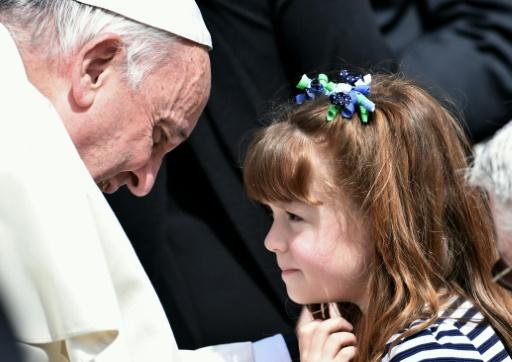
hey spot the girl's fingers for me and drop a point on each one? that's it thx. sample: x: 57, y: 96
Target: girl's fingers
x: 322, y: 329
x: 319, y: 340
x: 333, y: 310
x: 305, y: 317
x: 305, y: 333
x: 332, y: 325
x: 338, y: 341
x: 305, y: 327
x: 346, y: 354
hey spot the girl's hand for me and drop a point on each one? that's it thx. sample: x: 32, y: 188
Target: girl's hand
x: 328, y: 340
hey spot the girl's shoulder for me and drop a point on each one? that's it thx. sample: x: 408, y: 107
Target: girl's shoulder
x: 460, y: 334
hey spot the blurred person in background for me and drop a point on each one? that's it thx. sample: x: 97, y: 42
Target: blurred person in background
x: 460, y: 50
x: 492, y: 170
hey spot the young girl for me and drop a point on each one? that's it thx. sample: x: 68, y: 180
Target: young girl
x: 365, y: 181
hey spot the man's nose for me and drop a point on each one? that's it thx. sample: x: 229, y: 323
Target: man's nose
x: 143, y: 179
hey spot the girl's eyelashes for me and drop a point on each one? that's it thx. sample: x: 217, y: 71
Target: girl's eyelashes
x: 290, y: 215
x: 293, y: 217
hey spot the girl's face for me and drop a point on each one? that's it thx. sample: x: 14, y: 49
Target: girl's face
x: 323, y: 250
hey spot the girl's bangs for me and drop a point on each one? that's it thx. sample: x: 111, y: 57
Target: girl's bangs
x: 278, y: 166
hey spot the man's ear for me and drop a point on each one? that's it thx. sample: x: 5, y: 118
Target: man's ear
x: 92, y: 65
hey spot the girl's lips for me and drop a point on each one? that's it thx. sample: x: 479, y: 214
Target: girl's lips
x: 286, y: 272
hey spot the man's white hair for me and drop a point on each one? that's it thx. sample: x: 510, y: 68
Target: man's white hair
x: 492, y: 167
x: 58, y: 27
x: 492, y: 170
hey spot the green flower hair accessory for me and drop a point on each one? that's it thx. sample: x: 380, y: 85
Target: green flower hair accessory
x: 346, y: 97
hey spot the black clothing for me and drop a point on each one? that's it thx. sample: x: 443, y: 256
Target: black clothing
x: 8, y: 350
x: 459, y: 49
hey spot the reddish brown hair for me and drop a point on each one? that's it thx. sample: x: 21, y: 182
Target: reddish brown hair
x: 405, y: 171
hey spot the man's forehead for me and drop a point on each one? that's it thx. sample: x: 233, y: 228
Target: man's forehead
x: 179, y: 17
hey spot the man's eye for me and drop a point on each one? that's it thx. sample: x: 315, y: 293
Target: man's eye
x: 159, y: 137
x: 293, y: 217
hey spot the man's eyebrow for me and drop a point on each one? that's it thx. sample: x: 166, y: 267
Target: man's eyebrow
x: 179, y: 131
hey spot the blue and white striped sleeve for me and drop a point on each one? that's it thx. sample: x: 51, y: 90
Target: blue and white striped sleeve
x: 450, y: 342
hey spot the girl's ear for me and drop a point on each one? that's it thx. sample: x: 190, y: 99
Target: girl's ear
x: 92, y: 65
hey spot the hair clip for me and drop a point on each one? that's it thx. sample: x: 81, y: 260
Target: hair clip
x: 347, y: 96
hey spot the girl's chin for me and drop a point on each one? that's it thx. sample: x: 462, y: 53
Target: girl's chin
x: 303, y: 299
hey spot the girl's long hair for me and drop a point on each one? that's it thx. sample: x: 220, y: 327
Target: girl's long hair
x: 405, y: 171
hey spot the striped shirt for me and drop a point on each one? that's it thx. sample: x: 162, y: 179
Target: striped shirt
x: 461, y: 334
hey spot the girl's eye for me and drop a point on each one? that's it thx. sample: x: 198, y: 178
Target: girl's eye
x: 293, y: 217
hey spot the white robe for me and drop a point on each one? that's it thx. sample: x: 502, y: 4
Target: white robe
x: 69, y: 278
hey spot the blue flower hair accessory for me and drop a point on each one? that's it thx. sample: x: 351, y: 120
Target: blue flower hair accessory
x: 346, y: 97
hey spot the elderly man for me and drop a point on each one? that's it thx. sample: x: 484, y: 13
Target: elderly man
x: 492, y: 170
x: 122, y: 83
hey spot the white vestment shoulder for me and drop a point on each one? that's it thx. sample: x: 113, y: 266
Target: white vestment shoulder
x: 69, y: 277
